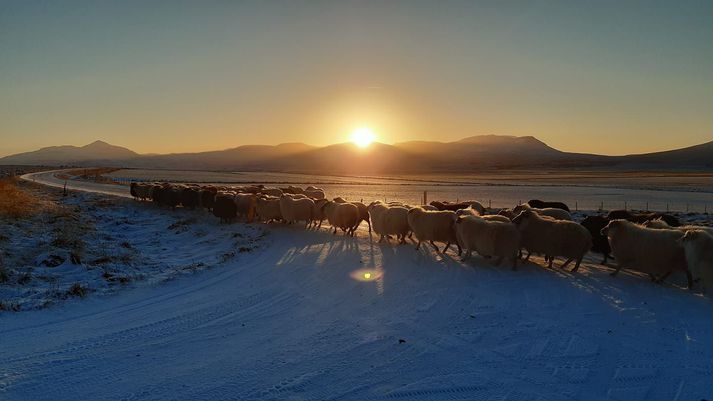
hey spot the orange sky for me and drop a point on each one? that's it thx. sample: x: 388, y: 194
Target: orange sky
x: 163, y: 77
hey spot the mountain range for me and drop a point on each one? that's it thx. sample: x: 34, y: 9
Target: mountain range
x: 466, y: 155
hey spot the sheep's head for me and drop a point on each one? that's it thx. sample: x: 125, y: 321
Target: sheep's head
x: 519, y: 208
x: 613, y: 227
x: 523, y: 217
x: 339, y: 199
x: 695, y: 236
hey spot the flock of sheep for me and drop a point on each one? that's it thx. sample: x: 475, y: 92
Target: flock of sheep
x: 652, y: 243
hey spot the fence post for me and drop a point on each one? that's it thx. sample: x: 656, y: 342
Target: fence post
x: 425, y: 198
x: 625, y: 206
x: 601, y: 206
x: 490, y: 204
x: 667, y: 208
x: 576, y: 206
x: 647, y: 206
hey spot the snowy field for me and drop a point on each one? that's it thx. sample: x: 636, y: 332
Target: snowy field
x: 306, y: 315
x: 585, y: 190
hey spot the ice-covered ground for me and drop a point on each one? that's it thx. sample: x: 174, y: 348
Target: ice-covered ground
x: 92, y: 244
x: 312, y: 316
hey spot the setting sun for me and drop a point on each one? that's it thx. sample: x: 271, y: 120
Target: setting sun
x: 362, y: 137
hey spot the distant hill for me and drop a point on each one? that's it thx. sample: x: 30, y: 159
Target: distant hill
x: 97, y: 152
x: 468, y: 154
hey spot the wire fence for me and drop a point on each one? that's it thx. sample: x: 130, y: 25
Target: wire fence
x: 577, y: 198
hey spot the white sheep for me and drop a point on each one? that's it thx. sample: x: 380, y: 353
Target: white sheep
x: 395, y: 222
x: 496, y: 217
x: 318, y: 215
x: 553, y: 238
x: 363, y: 211
x: 296, y: 209
x: 314, y: 193
x: 268, y: 209
x: 657, y: 252
x: 698, y: 247
x: 376, y: 211
x: 489, y: 238
x: 433, y: 226
x: 342, y: 215
x: 272, y: 192
x: 660, y: 224
x: 246, y: 204
x: 469, y: 211
x: 555, y: 213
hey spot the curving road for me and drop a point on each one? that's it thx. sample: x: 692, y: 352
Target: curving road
x: 298, y: 322
x: 49, y: 178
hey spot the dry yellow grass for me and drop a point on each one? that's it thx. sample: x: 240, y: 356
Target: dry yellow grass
x: 16, y: 202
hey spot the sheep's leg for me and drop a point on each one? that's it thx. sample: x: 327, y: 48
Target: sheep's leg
x: 662, y: 278
x: 434, y: 245
x: 549, y: 266
x: 448, y: 245
x: 460, y: 250
x: 528, y: 256
x: 369, y: 223
x: 418, y: 245
x: 403, y: 239
x: 466, y: 254
x: 616, y: 271
x: 335, y: 231
x: 567, y: 263
x: 576, y: 266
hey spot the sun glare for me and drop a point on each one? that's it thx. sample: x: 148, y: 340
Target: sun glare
x: 363, y: 137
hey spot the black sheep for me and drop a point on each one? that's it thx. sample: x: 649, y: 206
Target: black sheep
x: 600, y: 243
x: 538, y: 204
x: 225, y: 208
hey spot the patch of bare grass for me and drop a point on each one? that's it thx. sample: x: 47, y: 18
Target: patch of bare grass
x: 16, y: 203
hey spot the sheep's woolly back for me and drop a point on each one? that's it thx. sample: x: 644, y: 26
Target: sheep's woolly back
x: 376, y: 214
x: 555, y: 213
x: 395, y: 221
x: 698, y: 246
x: 496, y: 217
x: 488, y: 237
x: 299, y: 209
x: 552, y: 237
x: 342, y: 215
x: 268, y: 209
x: 432, y: 226
x: 649, y: 250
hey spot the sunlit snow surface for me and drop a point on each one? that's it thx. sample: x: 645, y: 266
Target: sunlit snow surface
x: 298, y: 319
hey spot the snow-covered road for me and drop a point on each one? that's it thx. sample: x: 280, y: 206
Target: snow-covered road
x: 49, y: 178
x: 320, y: 317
